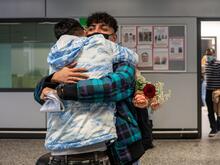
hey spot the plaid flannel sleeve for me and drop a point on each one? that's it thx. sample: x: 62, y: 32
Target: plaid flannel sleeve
x: 115, y: 86
x: 44, y: 82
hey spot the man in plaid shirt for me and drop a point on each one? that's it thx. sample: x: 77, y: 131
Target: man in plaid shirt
x: 117, y: 86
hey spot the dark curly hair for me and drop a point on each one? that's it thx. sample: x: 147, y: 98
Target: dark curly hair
x: 103, y: 17
x: 67, y: 26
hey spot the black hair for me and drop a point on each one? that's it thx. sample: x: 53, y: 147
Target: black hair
x: 67, y: 26
x: 103, y: 17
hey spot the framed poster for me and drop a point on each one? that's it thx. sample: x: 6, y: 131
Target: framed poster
x: 160, y: 36
x: 144, y: 55
x: 128, y: 36
x: 160, y: 59
x: 176, y: 48
x: 145, y: 34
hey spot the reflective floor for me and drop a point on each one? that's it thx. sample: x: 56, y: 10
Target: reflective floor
x: 186, y: 152
x: 166, y: 152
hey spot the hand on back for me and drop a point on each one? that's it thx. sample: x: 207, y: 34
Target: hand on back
x: 70, y: 74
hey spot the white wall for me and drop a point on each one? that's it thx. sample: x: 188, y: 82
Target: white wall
x: 19, y: 110
x: 175, y: 114
x: 132, y: 8
x: 212, y: 28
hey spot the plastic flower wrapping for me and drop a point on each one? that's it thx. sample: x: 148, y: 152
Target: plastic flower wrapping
x: 153, y: 92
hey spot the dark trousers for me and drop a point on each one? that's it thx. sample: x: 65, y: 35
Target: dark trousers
x: 44, y: 159
x: 211, y: 113
x: 84, y: 159
x: 145, y: 126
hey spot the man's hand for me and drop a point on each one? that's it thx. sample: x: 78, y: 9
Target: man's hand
x: 69, y: 74
x: 45, y: 91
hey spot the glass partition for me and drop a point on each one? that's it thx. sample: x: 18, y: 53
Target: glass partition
x: 24, y: 47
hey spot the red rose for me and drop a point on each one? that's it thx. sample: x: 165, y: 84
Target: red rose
x: 149, y: 91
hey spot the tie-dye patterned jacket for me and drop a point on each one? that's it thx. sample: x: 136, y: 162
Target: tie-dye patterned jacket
x: 83, y: 124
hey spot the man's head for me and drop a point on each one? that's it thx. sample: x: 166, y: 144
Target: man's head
x: 68, y: 26
x: 104, y: 23
x: 210, y: 52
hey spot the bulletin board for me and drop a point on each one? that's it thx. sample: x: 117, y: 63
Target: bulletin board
x: 160, y: 48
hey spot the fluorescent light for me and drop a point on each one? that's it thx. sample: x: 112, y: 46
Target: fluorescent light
x: 9, y: 23
x: 46, y: 23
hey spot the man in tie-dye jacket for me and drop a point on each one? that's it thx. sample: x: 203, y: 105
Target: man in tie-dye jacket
x: 83, y: 124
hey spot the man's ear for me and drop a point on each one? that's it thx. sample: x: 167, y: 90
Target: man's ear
x: 113, y: 37
x: 83, y: 33
x: 86, y: 31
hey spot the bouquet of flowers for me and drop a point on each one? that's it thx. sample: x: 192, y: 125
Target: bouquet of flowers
x: 153, y: 94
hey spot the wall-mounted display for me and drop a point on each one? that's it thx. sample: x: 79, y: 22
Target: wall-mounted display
x: 176, y: 48
x: 128, y: 36
x: 160, y: 59
x: 160, y: 48
x: 160, y: 36
x: 144, y: 56
x: 144, y: 34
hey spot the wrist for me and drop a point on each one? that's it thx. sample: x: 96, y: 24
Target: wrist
x: 59, y: 90
x: 48, y: 83
x: 54, y: 78
x: 67, y: 91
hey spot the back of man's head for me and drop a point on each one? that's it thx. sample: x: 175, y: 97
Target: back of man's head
x: 102, y: 17
x: 68, y: 26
